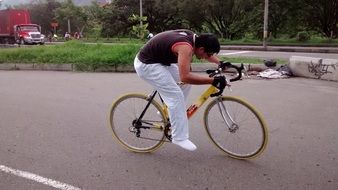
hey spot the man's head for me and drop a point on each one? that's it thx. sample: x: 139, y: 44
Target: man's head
x: 206, y: 45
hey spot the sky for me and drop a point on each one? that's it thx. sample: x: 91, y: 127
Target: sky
x: 14, y: 2
x: 18, y: 2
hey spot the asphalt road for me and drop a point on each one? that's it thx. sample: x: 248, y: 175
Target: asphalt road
x: 275, y: 54
x: 54, y: 126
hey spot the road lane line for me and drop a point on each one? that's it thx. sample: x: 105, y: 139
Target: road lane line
x: 234, y: 53
x: 37, y: 178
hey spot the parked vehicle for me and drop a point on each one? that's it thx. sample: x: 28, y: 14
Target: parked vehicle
x: 16, y: 27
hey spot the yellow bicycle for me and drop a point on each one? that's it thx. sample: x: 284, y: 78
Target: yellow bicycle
x: 141, y: 124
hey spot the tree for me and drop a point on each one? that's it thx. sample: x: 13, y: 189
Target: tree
x: 284, y: 17
x: 42, y: 13
x: 94, y: 12
x: 231, y: 19
x: 227, y: 17
x: 137, y: 29
x: 193, y: 14
x: 322, y: 16
x: 163, y: 15
x: 114, y: 18
x: 76, y: 15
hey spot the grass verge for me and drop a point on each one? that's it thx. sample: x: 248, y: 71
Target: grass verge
x: 88, y: 57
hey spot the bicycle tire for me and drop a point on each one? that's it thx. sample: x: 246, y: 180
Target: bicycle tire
x: 248, y: 135
x: 126, y: 109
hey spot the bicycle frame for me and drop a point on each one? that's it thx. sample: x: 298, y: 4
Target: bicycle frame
x: 194, y: 107
x: 190, y: 111
x: 200, y: 101
x: 212, y: 90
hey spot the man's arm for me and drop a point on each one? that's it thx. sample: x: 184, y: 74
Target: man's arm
x: 214, y: 59
x: 185, y: 54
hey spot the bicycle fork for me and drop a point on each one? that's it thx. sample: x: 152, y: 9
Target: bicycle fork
x: 227, y: 118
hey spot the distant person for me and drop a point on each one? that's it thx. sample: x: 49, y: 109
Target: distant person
x: 67, y: 36
x: 76, y: 35
x: 50, y: 37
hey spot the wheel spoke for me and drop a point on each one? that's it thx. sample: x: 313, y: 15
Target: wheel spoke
x: 248, y: 136
x: 140, y: 139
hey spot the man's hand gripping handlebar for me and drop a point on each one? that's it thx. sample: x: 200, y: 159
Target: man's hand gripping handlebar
x: 220, y: 82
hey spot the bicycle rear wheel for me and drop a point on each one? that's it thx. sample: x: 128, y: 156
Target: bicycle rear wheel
x: 236, y: 127
x: 148, y: 135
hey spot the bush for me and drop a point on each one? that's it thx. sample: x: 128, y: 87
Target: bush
x: 84, y: 56
x: 303, y: 36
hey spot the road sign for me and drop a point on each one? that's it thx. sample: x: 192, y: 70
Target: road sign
x: 54, y: 24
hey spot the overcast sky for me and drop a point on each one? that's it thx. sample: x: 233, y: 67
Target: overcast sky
x: 17, y: 2
x: 14, y: 2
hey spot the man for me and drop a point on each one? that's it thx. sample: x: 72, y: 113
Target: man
x: 164, y: 61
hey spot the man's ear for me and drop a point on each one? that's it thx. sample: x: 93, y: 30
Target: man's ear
x: 200, y: 49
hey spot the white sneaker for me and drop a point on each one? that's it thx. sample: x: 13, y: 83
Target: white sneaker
x: 186, y: 144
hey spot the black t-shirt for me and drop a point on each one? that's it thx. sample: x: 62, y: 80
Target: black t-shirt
x: 159, y: 48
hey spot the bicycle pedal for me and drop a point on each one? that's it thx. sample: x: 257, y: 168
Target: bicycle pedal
x: 169, y: 138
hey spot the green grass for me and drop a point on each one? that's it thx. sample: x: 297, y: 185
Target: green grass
x: 313, y: 41
x: 250, y: 60
x: 244, y: 60
x: 90, y: 57
x: 83, y: 56
x: 114, y: 40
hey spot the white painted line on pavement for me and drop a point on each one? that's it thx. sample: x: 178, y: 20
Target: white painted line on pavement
x: 234, y: 53
x: 37, y: 178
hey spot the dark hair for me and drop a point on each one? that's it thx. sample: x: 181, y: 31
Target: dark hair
x: 209, y: 42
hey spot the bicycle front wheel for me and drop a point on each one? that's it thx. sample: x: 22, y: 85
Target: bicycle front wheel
x: 236, y: 127
x: 148, y: 134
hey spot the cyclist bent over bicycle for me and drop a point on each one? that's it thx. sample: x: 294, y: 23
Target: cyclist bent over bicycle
x: 165, y: 60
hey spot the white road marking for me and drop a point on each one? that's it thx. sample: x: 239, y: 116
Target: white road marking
x: 234, y: 53
x: 37, y: 178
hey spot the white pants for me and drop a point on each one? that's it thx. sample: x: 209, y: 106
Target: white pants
x: 164, y: 79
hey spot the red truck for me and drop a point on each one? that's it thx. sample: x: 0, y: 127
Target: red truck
x: 16, y: 27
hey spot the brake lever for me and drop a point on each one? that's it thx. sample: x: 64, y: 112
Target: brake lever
x: 212, y: 73
x: 209, y: 71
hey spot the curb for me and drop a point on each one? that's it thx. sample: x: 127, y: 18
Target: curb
x: 43, y: 67
x: 196, y: 67
x: 63, y: 67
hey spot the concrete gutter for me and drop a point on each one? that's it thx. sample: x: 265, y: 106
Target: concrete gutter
x: 300, y: 66
x: 30, y: 66
x: 196, y: 67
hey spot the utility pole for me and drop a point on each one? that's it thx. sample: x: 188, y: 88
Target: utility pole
x: 141, y: 22
x: 68, y: 25
x: 141, y: 14
x: 266, y: 16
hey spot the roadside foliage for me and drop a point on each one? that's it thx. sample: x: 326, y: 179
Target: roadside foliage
x: 229, y: 19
